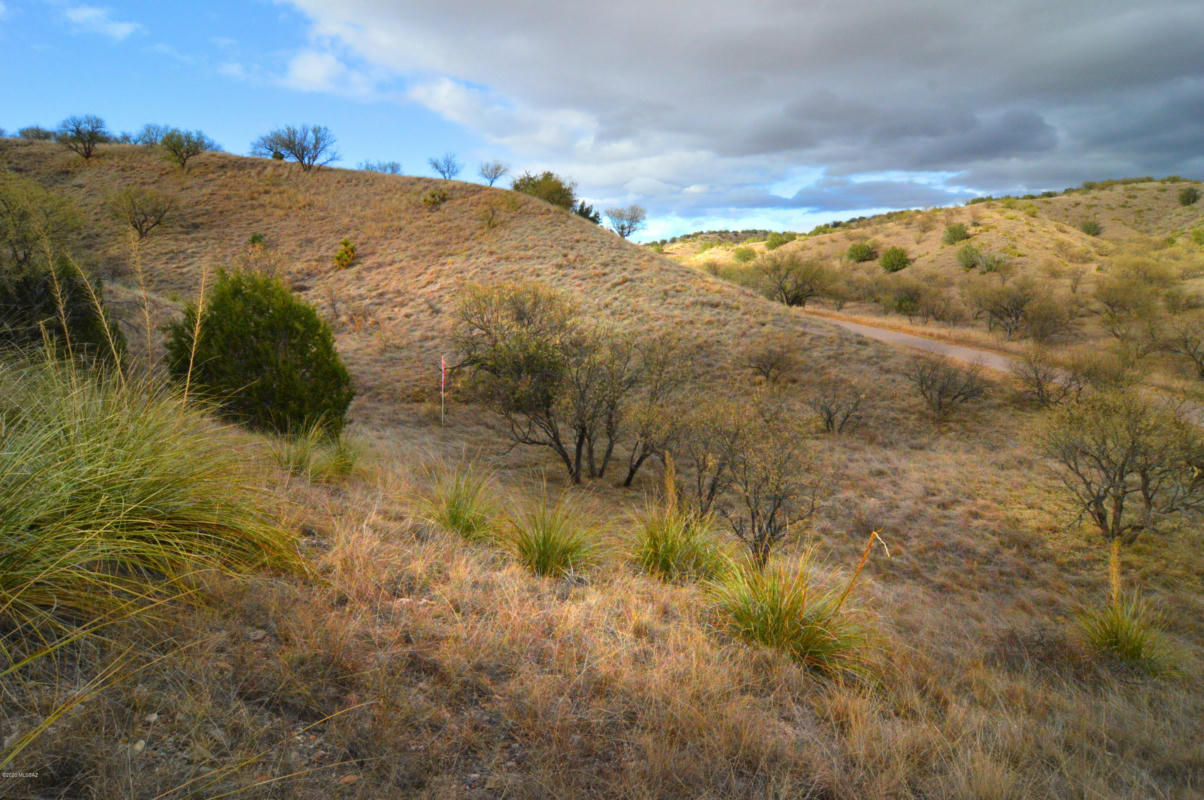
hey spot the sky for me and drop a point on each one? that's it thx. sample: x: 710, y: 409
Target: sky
x: 778, y: 114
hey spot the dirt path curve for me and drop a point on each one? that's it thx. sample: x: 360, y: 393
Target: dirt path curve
x: 970, y: 355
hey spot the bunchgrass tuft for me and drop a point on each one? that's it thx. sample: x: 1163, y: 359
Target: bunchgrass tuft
x: 553, y: 539
x: 1128, y: 631
x: 316, y: 456
x: 676, y: 545
x: 110, y: 492
x: 464, y: 502
x: 778, y: 607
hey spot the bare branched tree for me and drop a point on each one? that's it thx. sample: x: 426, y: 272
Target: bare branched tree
x: 492, y: 170
x: 793, y: 280
x: 180, y: 146
x: 82, y: 135
x: 943, y: 386
x: 141, y: 209
x: 446, y: 165
x: 309, y: 145
x: 838, y: 403
x: 1129, y: 465
x: 556, y: 382
x: 626, y: 221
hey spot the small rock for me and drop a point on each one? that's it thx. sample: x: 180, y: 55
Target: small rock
x: 138, y: 746
x: 347, y: 780
x: 151, y: 718
x: 257, y: 635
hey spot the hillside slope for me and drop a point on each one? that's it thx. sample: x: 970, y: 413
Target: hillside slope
x: 391, y: 309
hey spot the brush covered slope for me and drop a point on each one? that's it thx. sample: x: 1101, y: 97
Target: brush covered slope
x: 391, y: 308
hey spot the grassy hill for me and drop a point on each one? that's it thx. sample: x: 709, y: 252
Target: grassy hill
x: 390, y: 309
x: 403, y: 660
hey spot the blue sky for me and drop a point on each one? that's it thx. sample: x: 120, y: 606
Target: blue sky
x: 772, y: 113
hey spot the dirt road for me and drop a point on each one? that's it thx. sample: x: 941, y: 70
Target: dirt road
x: 970, y: 355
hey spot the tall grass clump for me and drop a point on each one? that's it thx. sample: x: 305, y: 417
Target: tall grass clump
x: 108, y: 491
x: 314, y: 455
x: 553, y: 539
x: 777, y: 606
x: 463, y: 501
x: 1128, y: 631
x: 677, y: 545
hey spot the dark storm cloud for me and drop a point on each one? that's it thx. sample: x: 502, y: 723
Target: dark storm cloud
x: 701, y: 98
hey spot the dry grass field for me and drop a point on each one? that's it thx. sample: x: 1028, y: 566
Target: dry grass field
x: 402, y: 661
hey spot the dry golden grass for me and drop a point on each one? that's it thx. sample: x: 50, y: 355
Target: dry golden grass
x: 416, y: 664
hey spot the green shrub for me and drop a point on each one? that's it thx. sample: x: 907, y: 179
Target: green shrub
x: 180, y: 146
x: 894, y: 259
x: 104, y: 485
x: 434, y: 198
x: 548, y: 187
x: 554, y: 539
x: 1091, y: 227
x: 265, y: 357
x: 778, y: 608
x: 1197, y: 236
x: 968, y: 256
x: 744, y: 255
x: 776, y: 240
x: 31, y: 313
x: 345, y: 256
x: 1128, y: 630
x: 859, y: 252
x: 955, y: 233
x: 677, y: 545
x: 463, y: 502
x: 1188, y: 196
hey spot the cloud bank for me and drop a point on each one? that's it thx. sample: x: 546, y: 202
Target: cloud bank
x: 649, y: 101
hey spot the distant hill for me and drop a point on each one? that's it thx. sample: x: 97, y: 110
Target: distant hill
x: 1040, y: 231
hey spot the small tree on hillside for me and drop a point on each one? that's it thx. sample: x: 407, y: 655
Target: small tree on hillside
x: 446, y: 165
x: 626, y: 221
x: 141, y: 209
x: 309, y: 145
x: 492, y: 170
x: 82, y: 135
x: 151, y: 134
x: 658, y: 407
x: 548, y: 187
x: 749, y: 460
x: 36, y: 133
x: 555, y: 382
x: 586, y: 211
x: 180, y: 146
x: 33, y: 219
x: 793, y: 280
x: 944, y: 386
x: 1130, y: 467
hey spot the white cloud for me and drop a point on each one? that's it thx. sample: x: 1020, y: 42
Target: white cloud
x: 322, y: 71
x: 94, y: 19
x: 232, y: 69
